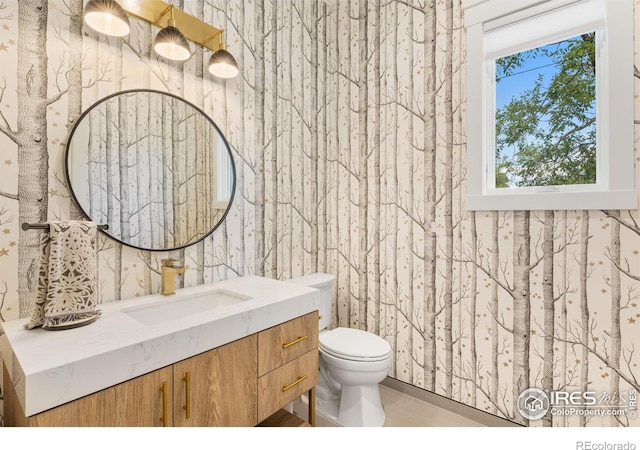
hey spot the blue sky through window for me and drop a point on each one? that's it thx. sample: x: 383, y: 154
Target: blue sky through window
x: 535, y: 64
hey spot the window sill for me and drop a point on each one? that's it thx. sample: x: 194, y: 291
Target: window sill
x: 623, y: 199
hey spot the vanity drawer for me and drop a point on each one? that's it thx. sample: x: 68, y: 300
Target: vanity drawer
x: 286, y: 383
x: 283, y: 343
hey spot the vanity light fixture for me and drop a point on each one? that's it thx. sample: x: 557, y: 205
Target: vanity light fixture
x: 222, y: 64
x: 107, y: 17
x: 172, y: 42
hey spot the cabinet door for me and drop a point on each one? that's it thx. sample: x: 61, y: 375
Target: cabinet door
x: 134, y: 403
x: 222, y: 386
x: 146, y: 401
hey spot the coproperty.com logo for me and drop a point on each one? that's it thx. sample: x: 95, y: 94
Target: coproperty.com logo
x: 534, y: 403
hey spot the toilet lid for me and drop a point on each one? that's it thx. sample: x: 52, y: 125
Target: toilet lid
x: 352, y: 344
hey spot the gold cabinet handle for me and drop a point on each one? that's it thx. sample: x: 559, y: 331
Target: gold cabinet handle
x: 163, y: 389
x: 299, y: 380
x: 187, y: 406
x: 300, y: 339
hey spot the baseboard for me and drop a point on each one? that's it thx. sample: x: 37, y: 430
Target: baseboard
x: 453, y: 406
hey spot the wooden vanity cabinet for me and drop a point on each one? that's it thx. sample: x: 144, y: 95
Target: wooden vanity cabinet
x: 237, y: 384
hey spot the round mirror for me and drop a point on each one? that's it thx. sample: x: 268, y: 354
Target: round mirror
x: 151, y: 166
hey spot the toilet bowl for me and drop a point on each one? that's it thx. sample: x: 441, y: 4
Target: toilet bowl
x: 352, y: 364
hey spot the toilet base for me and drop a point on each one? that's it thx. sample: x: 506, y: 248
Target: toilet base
x: 358, y: 406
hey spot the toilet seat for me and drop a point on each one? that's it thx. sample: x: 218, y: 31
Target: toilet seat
x: 354, y: 345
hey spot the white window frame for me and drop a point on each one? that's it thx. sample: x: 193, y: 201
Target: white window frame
x: 520, y: 20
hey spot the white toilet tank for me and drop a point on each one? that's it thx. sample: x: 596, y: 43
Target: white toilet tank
x: 324, y: 283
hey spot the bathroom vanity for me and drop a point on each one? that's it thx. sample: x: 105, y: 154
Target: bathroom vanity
x: 231, y: 353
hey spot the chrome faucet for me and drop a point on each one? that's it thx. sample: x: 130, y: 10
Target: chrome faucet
x: 168, y: 272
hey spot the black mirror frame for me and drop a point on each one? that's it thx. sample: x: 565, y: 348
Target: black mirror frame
x: 197, y: 109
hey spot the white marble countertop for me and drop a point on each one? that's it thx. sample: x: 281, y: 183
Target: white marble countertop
x: 49, y: 368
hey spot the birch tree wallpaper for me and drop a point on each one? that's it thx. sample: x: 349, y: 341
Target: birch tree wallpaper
x: 347, y: 129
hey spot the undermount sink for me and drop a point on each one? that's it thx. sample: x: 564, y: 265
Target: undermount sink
x: 173, y: 309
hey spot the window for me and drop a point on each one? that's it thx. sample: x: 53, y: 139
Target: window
x: 545, y: 117
x: 224, y: 175
x: 550, y: 105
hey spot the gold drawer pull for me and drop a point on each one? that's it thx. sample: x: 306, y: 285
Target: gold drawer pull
x: 187, y: 406
x: 163, y: 389
x: 300, y: 339
x: 299, y: 380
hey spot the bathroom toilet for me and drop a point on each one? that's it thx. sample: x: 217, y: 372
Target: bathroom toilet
x: 352, y: 364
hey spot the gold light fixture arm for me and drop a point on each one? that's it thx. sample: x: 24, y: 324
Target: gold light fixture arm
x: 164, y: 13
x: 218, y: 34
x: 172, y: 21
